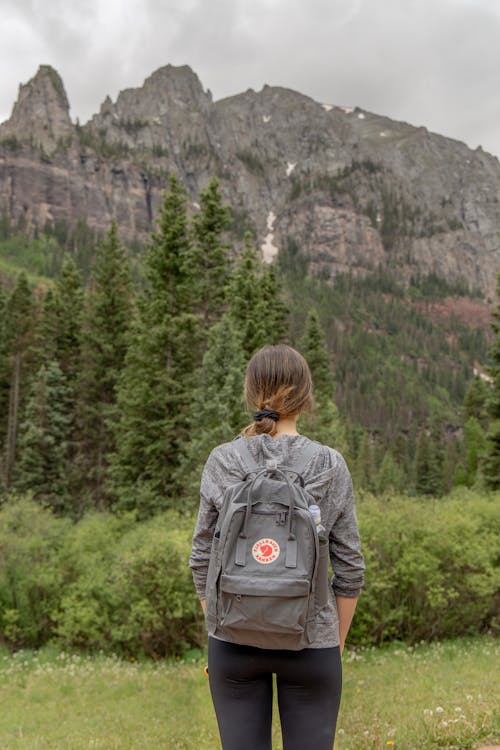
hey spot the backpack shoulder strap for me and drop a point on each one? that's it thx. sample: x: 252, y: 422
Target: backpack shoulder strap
x: 307, y: 452
x: 242, y: 448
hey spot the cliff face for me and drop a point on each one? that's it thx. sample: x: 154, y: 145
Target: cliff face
x: 41, y: 113
x: 353, y: 190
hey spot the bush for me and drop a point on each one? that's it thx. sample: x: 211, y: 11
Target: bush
x: 30, y: 572
x: 129, y: 587
x: 432, y: 567
x: 113, y: 583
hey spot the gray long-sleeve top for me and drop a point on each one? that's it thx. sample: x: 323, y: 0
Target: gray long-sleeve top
x: 327, y: 479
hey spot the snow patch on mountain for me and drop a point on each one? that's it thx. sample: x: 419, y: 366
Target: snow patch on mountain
x: 268, y: 248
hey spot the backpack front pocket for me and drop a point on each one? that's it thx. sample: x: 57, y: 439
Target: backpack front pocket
x: 273, y: 605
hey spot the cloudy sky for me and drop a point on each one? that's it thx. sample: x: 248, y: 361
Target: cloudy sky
x: 428, y: 62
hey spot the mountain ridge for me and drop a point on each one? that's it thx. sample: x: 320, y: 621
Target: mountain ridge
x: 355, y: 190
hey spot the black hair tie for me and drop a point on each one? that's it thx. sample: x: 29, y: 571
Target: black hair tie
x: 266, y: 414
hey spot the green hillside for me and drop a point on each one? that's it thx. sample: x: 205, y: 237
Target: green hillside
x: 397, y: 364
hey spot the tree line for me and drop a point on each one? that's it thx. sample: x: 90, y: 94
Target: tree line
x: 111, y: 397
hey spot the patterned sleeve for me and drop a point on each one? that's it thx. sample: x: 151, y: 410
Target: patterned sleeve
x: 205, y: 524
x: 345, y: 546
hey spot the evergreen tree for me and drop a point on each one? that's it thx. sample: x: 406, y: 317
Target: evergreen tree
x: 43, y: 442
x: 69, y: 308
x: 275, y: 311
x: 210, y: 254
x: 390, y: 476
x: 246, y: 303
x: 19, y: 333
x: 314, y: 349
x: 475, y: 401
x: 218, y: 410
x: 155, y: 387
x: 4, y: 375
x: 450, y: 464
x: 399, y: 451
x: 47, y: 333
x: 364, y: 469
x: 475, y: 444
x: 491, y: 464
x: 63, y: 316
x: 106, y: 318
x: 324, y: 424
x: 423, y: 483
x: 436, y: 460
x: 429, y: 461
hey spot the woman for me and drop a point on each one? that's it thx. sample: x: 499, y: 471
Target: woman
x: 309, y: 681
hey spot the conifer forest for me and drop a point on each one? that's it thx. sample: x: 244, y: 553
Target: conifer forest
x: 120, y: 370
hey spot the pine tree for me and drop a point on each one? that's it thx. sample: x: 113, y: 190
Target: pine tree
x: 246, y: 304
x: 275, y: 311
x: 210, y: 254
x: 19, y: 335
x: 491, y: 463
x: 399, y: 451
x: 364, y: 469
x: 428, y: 465
x: 475, y: 444
x: 324, y: 424
x: 218, y: 410
x: 106, y: 319
x: 390, y: 476
x: 65, y: 315
x: 47, y: 333
x: 4, y: 374
x: 43, y: 442
x: 475, y: 401
x: 450, y: 464
x: 69, y: 308
x: 422, y: 464
x: 154, y: 389
x: 436, y: 460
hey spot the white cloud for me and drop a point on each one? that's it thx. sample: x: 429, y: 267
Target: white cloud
x: 429, y: 62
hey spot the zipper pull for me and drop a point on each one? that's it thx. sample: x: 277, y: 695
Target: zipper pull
x: 281, y: 518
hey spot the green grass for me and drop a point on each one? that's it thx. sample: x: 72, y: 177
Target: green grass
x: 442, y: 695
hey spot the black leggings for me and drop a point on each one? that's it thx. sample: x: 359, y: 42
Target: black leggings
x: 309, y: 687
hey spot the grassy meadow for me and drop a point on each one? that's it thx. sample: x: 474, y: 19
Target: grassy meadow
x: 439, y: 695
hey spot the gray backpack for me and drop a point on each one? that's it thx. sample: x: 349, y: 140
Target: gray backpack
x: 268, y: 571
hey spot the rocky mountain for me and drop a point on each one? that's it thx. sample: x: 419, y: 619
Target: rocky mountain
x: 350, y: 189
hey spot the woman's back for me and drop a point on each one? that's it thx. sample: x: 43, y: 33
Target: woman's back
x: 278, y: 385
x: 327, y: 480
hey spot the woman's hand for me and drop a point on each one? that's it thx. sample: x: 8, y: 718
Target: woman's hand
x: 345, y: 609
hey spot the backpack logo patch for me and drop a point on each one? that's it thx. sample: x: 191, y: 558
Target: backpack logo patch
x: 265, y: 551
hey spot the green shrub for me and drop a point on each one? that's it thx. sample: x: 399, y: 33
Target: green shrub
x: 30, y: 573
x: 113, y: 583
x: 129, y: 587
x: 432, y: 567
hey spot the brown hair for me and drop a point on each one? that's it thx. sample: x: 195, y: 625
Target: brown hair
x: 277, y: 378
